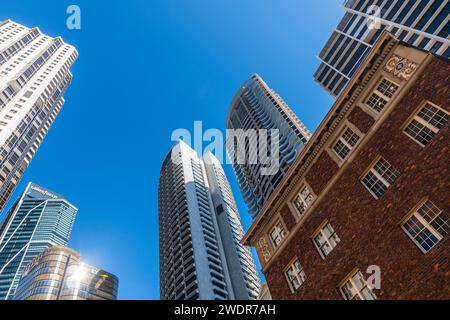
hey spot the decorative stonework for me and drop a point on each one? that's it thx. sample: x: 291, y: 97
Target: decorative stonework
x: 304, y: 165
x: 264, y: 248
x: 400, y: 67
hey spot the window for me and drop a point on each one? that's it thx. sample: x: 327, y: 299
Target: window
x: 356, y: 288
x: 326, y: 240
x: 277, y: 234
x: 303, y: 200
x: 380, y: 177
x: 427, y: 226
x: 295, y: 276
x: 346, y: 143
x: 381, y: 96
x: 426, y: 124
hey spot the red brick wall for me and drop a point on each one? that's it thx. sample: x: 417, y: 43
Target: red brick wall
x: 368, y: 228
x: 321, y: 172
x: 360, y: 119
x: 288, y: 217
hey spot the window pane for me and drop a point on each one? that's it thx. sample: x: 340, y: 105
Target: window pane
x: 386, y: 171
x: 326, y: 240
x: 374, y: 184
x: 295, y: 276
x: 419, y: 132
x: 437, y: 219
x: 437, y: 118
x: 427, y: 240
x: 304, y: 199
x: 341, y: 150
x: 368, y: 294
x: 387, y: 88
x: 376, y: 102
x: 351, y: 137
x: 413, y: 226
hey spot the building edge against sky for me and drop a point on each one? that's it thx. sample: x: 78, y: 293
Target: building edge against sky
x: 422, y: 23
x: 258, y: 107
x: 59, y: 274
x: 201, y: 257
x: 39, y: 219
x: 381, y: 200
x: 34, y: 75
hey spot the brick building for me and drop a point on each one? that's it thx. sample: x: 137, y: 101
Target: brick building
x: 371, y: 188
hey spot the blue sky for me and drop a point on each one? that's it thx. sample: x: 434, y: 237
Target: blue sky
x: 146, y: 68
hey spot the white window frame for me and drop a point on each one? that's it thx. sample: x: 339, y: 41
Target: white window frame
x: 357, y: 293
x: 377, y: 175
x: 342, y: 140
x: 279, y: 233
x: 422, y: 121
x: 299, y: 274
x: 298, y: 196
x: 327, y: 239
x: 427, y: 225
x: 380, y: 95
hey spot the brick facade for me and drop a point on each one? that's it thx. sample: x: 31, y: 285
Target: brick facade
x: 321, y: 172
x: 361, y: 119
x: 369, y: 228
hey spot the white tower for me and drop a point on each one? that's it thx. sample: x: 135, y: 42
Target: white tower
x: 201, y: 257
x: 34, y: 75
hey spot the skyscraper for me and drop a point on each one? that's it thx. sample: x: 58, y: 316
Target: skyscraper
x: 201, y: 257
x: 258, y: 107
x: 38, y: 220
x: 34, y: 75
x: 59, y: 274
x: 421, y: 23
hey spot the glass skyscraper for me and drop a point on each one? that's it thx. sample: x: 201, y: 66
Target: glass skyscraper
x: 34, y: 75
x: 257, y: 107
x: 421, y: 23
x: 201, y: 256
x: 59, y: 274
x: 38, y: 220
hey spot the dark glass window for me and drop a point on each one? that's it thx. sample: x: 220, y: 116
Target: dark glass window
x: 402, y: 35
x: 333, y: 49
x: 439, y: 19
x: 428, y: 15
x: 394, y: 10
x: 324, y: 72
x: 347, y: 54
x: 386, y: 8
x: 436, y: 47
x: 424, y: 43
x: 447, y: 53
x: 413, y: 39
x: 445, y: 31
x: 416, y: 12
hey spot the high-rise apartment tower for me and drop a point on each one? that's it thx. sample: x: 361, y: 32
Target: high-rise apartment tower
x: 201, y: 257
x: 38, y: 220
x: 34, y: 75
x: 257, y: 107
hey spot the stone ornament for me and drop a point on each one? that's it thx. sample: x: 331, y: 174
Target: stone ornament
x: 264, y: 249
x: 401, y: 67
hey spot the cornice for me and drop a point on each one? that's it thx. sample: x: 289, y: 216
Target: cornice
x: 327, y: 128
